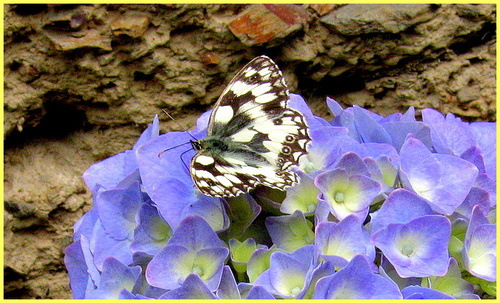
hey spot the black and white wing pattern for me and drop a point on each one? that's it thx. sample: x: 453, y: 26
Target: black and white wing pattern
x: 253, y: 137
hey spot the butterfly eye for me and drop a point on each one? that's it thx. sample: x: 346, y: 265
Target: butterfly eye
x: 278, y: 121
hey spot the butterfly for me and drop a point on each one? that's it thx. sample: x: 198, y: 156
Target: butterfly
x: 253, y: 138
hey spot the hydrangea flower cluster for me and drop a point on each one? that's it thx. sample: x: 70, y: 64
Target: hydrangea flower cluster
x: 387, y: 208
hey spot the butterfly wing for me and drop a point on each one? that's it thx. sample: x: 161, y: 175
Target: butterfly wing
x: 258, y: 139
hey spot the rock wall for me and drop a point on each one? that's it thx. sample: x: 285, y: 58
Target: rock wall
x: 82, y: 82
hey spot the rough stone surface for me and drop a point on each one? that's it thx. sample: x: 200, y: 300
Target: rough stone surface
x: 358, y: 19
x: 265, y: 23
x: 79, y: 89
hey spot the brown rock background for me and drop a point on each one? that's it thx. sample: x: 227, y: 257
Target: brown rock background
x: 83, y: 81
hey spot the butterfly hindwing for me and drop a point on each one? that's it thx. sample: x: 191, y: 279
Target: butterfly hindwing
x: 253, y: 138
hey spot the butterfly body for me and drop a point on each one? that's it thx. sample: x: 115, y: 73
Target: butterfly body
x: 253, y: 137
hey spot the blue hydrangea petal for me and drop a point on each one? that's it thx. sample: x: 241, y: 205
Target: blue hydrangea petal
x: 353, y: 164
x: 118, y: 209
x: 303, y: 196
x: 347, y: 195
x: 92, y: 270
x: 74, y: 260
x: 479, y: 250
x: 325, y: 148
x: 85, y: 225
x: 151, y: 132
x: 287, y: 275
x: 115, y: 277
x: 443, y: 180
x: 415, y: 292
x: 356, y: 281
x: 298, y: 103
x: 398, y: 131
x: 290, y: 232
x: 169, y: 268
x: 152, y: 232
x: 192, y: 288
x: 109, y: 172
x: 259, y: 262
x: 228, y: 288
x: 418, y: 248
x: 104, y: 246
x: 345, y: 239
x: 401, y: 206
x: 450, y: 135
x: 476, y: 196
x: 368, y: 129
x: 195, y: 234
x: 451, y: 283
x: 259, y: 292
x: 485, y: 137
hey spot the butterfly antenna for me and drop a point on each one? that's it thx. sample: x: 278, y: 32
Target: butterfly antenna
x: 178, y: 124
x: 173, y: 148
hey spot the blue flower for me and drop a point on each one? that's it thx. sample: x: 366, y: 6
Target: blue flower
x: 194, y: 248
x: 479, y: 251
x: 347, y: 195
x: 356, y: 281
x: 417, y: 248
x: 443, y: 180
x: 340, y: 242
x: 288, y: 274
x: 420, y: 192
x: 290, y: 232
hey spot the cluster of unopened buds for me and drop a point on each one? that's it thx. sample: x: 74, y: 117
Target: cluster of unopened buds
x: 386, y: 208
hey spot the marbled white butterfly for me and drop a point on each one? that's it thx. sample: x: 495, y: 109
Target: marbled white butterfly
x: 253, y: 137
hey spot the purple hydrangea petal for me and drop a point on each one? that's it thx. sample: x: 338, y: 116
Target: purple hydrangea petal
x: 345, y: 239
x: 398, y: 131
x: 115, y: 277
x: 192, y: 288
x: 288, y: 273
x: 368, y: 129
x: 104, y: 246
x: 228, y: 288
x: 476, y: 196
x: 401, y: 206
x: 259, y: 262
x: 356, y: 281
x: 347, y: 195
x: 117, y: 210
x: 109, y: 172
x: 195, y: 234
x: 485, y: 136
x: 172, y: 265
x: 450, y: 135
x: 353, y: 164
x: 418, y: 248
x: 479, y: 251
x: 303, y: 196
x: 74, y: 260
x: 259, y: 292
x: 151, y: 132
x: 290, y: 232
x: 85, y: 225
x: 152, y: 232
x: 443, y: 180
x: 415, y: 292
x: 325, y: 147
x: 298, y: 103
x: 451, y: 283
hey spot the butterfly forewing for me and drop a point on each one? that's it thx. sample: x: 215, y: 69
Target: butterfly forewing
x: 253, y: 138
